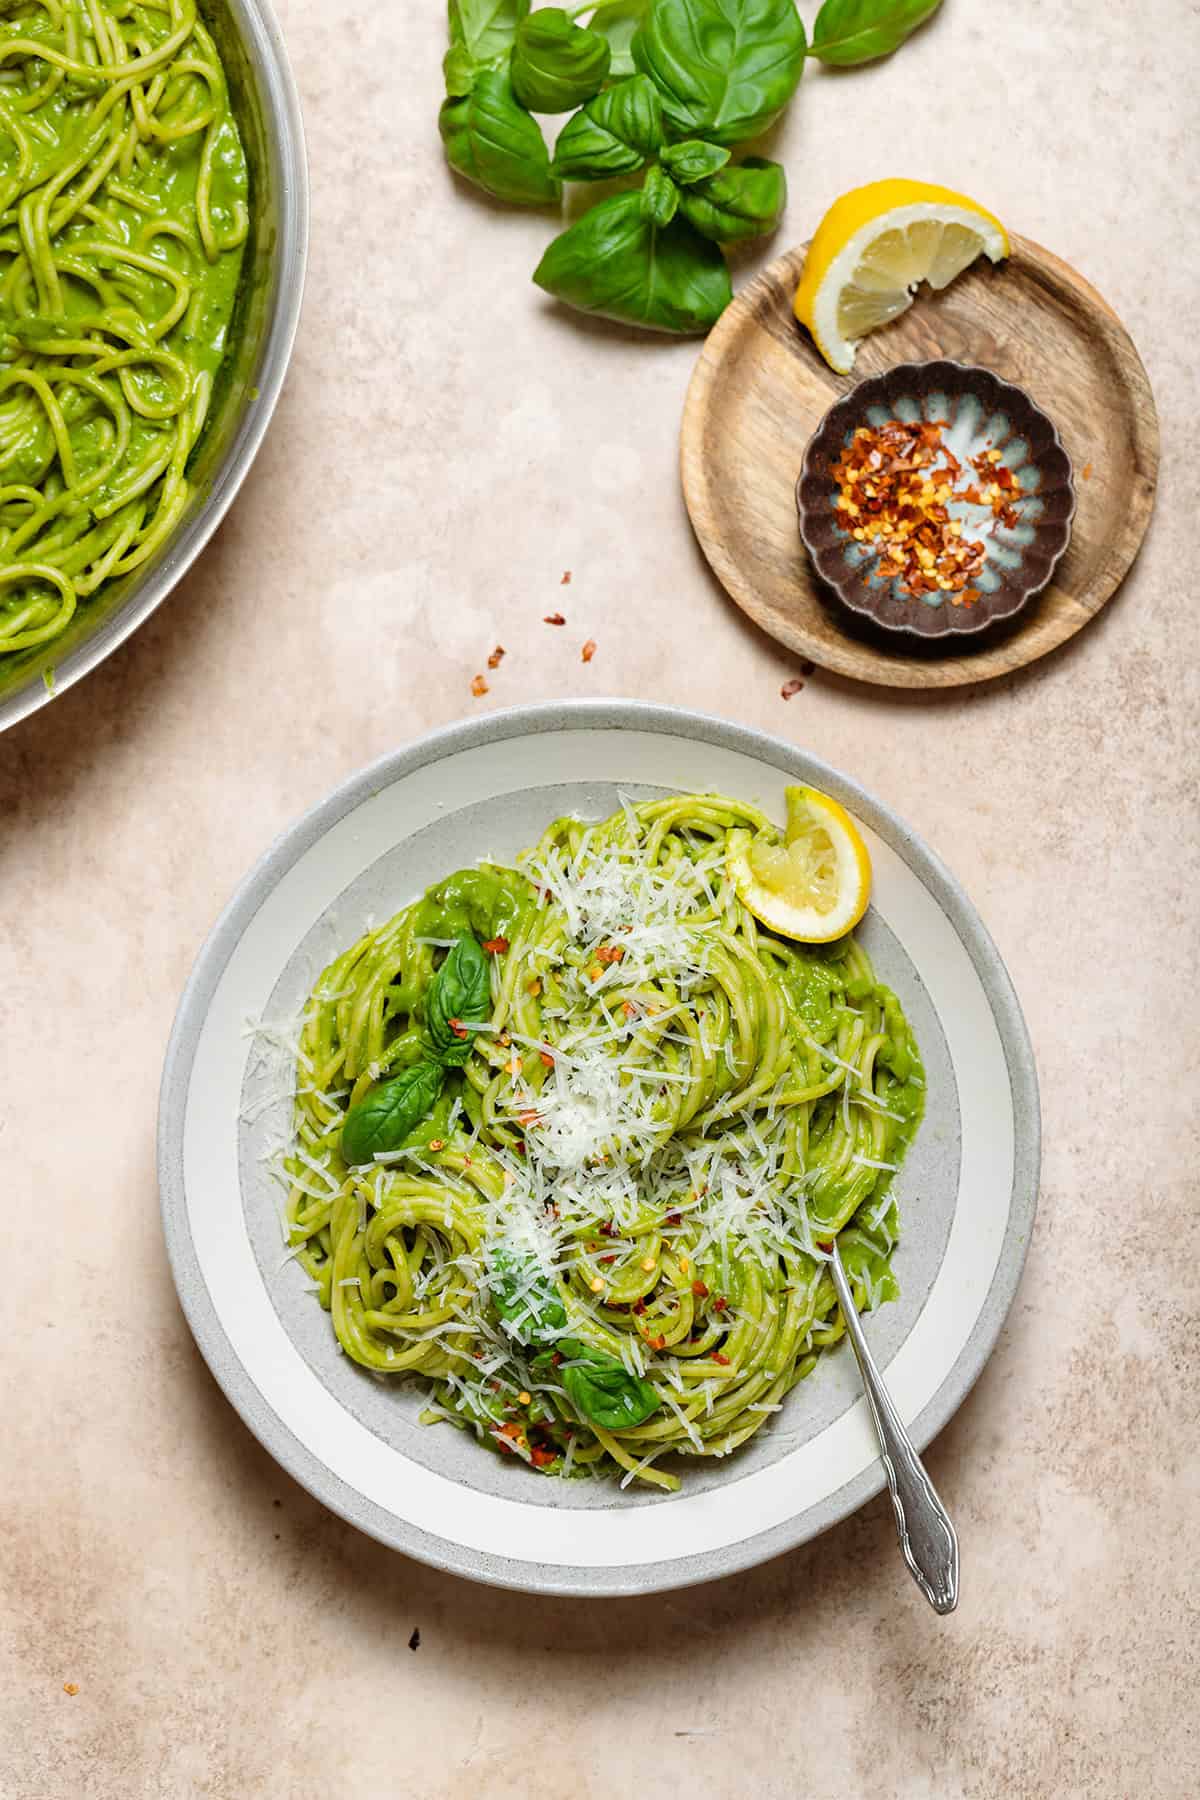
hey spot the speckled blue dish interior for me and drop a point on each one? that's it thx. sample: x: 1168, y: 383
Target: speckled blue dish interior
x: 978, y: 412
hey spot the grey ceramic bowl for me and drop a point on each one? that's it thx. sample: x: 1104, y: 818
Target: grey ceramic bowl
x: 980, y: 411
x: 267, y: 109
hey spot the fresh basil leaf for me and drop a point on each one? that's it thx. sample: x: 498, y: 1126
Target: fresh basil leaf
x: 692, y: 161
x: 613, y: 134
x: 556, y: 64
x: 617, y: 20
x: 725, y: 68
x: 460, y: 994
x: 602, y: 1390
x: 614, y: 262
x: 384, y: 1117
x: 460, y: 71
x: 493, y: 141
x: 858, y: 31
x: 484, y: 30
x: 660, y: 197
x: 531, y: 1305
x: 740, y: 202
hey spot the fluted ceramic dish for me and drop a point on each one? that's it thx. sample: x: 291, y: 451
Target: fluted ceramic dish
x: 980, y: 412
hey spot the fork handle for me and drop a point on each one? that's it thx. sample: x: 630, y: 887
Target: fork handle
x: 928, y: 1540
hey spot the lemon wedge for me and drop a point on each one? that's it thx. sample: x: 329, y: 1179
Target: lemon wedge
x: 872, y: 248
x: 815, y: 885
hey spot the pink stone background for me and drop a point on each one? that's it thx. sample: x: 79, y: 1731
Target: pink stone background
x: 447, y: 445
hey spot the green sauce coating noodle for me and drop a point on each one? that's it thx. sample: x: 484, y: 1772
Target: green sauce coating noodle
x: 668, y: 1114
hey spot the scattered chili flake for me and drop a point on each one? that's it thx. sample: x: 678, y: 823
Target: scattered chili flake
x: 719, y: 1356
x: 610, y: 1258
x: 497, y: 657
x: 657, y: 1343
x: 610, y: 953
x: 495, y: 946
x: 720, y: 1303
x: 827, y: 1247
x: 479, y: 686
x: 554, y: 618
x: 588, y: 651
x: 527, y: 1116
x: 700, y: 1291
x: 414, y: 1642
x: 1087, y: 471
x: 672, y: 1219
x: 71, y: 1687
x: 639, y: 1307
x: 547, y: 1058
x: 566, y: 578
x: 540, y: 1456
x: 437, y: 1143
x: 628, y: 1008
x: 458, y: 1028
x: 791, y: 687
x: 595, y: 971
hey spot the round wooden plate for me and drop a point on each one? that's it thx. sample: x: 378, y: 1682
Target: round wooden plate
x: 760, y: 390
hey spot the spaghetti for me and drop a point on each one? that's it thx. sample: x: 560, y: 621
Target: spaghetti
x: 604, y: 1241
x: 123, y: 216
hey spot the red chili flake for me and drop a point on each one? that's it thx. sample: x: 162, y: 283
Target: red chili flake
x: 479, y: 687
x: 497, y: 657
x: 495, y: 946
x: 700, y: 1291
x: 639, y: 1307
x: 657, y: 1343
x: 588, y: 651
x: 556, y: 1357
x: 628, y: 1008
x: 1087, y: 471
x: 458, y: 1028
x: 468, y: 1162
x: 546, y: 1058
x: 527, y: 1116
x: 610, y: 953
x: 554, y: 618
x: 566, y: 578
x: 437, y: 1143
x: 827, y: 1247
x: 610, y: 1258
x: 540, y: 1457
x: 720, y: 1303
x: 672, y: 1218
x: 791, y: 687
x: 893, y: 483
x: 719, y: 1357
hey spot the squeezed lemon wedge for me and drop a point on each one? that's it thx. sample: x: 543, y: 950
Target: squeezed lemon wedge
x: 872, y: 248
x: 815, y: 885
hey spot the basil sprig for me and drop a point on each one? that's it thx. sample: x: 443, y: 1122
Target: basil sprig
x: 460, y: 997
x: 615, y: 262
x: 600, y: 1387
x: 725, y: 68
x: 459, y: 1001
x: 384, y: 1117
x: 669, y: 86
x: 613, y: 134
x: 848, y: 32
x: 491, y: 139
x: 556, y: 65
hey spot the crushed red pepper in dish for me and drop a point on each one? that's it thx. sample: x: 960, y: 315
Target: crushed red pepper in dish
x: 895, y: 484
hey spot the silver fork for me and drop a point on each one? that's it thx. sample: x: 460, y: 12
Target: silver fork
x: 927, y: 1538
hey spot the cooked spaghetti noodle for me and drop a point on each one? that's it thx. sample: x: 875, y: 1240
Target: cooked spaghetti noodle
x: 123, y: 214
x: 605, y: 1242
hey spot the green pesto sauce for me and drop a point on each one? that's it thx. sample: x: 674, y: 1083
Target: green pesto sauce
x: 106, y: 366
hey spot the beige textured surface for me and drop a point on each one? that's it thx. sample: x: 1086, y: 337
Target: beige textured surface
x: 448, y: 444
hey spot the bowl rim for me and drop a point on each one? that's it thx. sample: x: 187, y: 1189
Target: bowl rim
x: 970, y: 626
x: 259, y: 29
